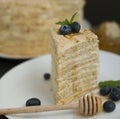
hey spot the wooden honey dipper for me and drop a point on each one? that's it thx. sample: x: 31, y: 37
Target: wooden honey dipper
x: 88, y: 105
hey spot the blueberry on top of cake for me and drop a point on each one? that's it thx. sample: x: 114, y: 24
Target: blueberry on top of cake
x: 68, y: 26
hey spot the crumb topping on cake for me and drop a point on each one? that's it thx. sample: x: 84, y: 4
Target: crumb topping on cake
x: 64, y: 42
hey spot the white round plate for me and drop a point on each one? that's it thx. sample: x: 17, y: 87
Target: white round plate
x: 26, y: 81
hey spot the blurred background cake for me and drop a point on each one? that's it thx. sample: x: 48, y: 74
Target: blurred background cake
x: 104, y: 18
x: 25, y: 24
x: 109, y: 36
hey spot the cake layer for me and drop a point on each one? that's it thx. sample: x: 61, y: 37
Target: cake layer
x: 76, y: 61
x: 64, y: 57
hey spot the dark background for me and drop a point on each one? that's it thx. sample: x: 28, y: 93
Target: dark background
x: 96, y: 11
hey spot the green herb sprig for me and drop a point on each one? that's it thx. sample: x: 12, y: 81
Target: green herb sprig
x: 66, y: 21
x: 109, y: 83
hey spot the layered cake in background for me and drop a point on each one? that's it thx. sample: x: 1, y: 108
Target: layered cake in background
x: 25, y: 24
x: 24, y: 27
x: 75, y: 63
x: 109, y: 36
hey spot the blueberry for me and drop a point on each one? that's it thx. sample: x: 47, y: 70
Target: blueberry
x: 3, y: 117
x: 105, y: 90
x: 109, y: 106
x: 75, y: 27
x: 33, y: 102
x: 116, y: 88
x: 115, y: 95
x: 65, y: 29
x: 47, y: 76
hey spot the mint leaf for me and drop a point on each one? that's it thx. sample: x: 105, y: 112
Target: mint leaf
x: 66, y: 21
x: 72, y: 18
x: 60, y: 22
x: 109, y: 83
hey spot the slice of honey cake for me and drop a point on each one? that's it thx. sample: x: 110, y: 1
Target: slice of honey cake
x: 75, y: 63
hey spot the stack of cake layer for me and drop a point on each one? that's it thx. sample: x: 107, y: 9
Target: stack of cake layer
x: 75, y: 63
x: 25, y: 25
